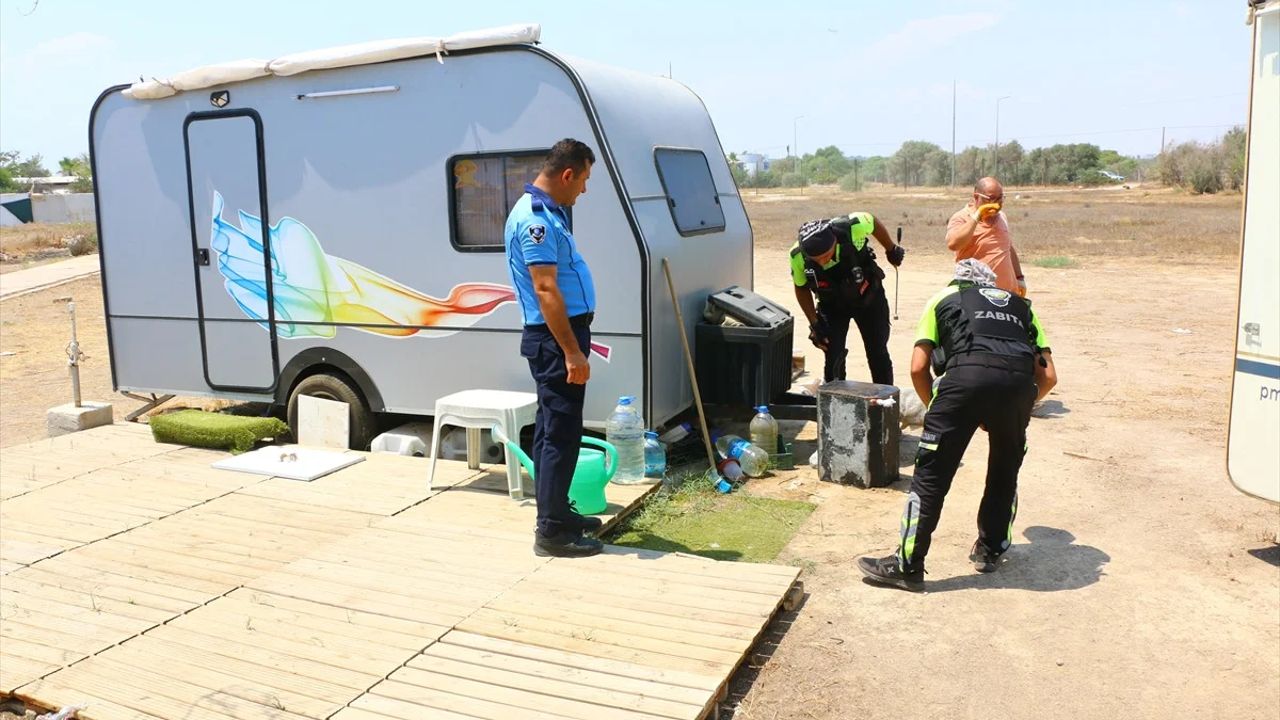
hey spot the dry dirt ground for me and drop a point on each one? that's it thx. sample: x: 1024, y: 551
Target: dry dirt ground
x: 1141, y: 585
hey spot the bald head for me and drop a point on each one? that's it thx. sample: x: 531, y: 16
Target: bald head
x: 989, y: 186
x: 988, y: 191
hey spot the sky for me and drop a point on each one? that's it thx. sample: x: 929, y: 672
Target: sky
x: 859, y: 74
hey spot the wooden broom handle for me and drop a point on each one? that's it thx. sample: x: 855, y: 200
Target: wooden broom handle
x: 688, y: 358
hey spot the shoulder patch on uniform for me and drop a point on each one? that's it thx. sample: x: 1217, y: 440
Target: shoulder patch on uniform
x: 995, y: 296
x: 538, y: 233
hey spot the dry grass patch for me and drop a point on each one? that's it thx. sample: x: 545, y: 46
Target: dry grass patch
x: 1083, y: 223
x: 36, y: 242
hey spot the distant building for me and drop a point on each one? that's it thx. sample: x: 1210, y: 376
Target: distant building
x: 49, y: 207
x: 753, y: 163
x: 51, y: 185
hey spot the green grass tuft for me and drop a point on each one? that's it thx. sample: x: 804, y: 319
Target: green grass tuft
x: 215, y: 430
x: 1054, y: 261
x: 696, y: 519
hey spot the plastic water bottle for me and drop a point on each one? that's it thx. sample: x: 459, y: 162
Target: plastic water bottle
x: 730, y: 470
x: 729, y: 473
x: 676, y: 434
x: 754, y: 460
x: 655, y: 456
x: 625, y: 431
x: 764, y: 430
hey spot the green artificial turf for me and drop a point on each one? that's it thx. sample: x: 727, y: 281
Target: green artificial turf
x: 696, y: 519
x: 215, y: 430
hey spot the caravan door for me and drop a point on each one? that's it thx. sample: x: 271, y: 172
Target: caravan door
x: 230, y: 233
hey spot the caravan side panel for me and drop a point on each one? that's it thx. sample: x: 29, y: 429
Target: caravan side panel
x: 358, y: 199
x: 1255, y: 389
x: 641, y: 114
x: 145, y: 240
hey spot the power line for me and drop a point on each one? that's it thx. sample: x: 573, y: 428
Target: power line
x: 982, y: 142
x: 1129, y: 130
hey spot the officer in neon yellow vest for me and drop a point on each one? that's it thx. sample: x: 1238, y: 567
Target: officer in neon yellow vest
x: 998, y: 364
x: 833, y: 261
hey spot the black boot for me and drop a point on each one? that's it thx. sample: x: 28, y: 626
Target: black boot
x: 566, y: 543
x: 984, y: 561
x: 886, y: 571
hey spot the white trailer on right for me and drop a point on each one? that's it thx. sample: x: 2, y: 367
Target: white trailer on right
x: 1253, y: 437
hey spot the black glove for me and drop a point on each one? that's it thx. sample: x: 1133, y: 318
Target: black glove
x: 895, y: 255
x: 819, y: 334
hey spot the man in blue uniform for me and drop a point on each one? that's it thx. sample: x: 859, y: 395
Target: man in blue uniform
x: 997, y: 365
x: 558, y: 300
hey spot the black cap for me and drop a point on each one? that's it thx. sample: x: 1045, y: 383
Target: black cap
x: 816, y: 237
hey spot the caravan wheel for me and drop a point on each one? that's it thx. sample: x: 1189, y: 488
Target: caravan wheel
x: 340, y: 389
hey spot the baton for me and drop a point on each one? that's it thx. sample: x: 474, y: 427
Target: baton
x: 895, y: 279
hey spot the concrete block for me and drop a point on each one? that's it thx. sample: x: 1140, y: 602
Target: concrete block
x: 857, y: 436
x: 68, y: 418
x: 323, y: 423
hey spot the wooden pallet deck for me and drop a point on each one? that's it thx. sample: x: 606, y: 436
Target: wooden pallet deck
x: 144, y: 583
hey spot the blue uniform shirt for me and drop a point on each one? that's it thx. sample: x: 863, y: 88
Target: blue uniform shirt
x: 537, y: 233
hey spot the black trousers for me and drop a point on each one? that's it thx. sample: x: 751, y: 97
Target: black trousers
x: 998, y: 398
x: 557, y: 432
x: 872, y: 320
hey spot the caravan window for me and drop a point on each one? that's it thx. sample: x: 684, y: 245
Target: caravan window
x: 482, y: 191
x: 691, y: 193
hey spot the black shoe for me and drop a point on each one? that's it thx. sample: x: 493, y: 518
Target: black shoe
x: 886, y: 571
x: 565, y: 544
x: 984, y: 561
x: 587, y: 523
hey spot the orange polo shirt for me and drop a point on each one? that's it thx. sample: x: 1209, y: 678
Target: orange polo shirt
x: 991, y: 245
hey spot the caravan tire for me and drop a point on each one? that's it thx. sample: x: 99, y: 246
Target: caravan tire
x: 340, y: 389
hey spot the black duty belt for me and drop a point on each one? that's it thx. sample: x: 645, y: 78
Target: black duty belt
x: 583, y: 320
x: 1011, y: 363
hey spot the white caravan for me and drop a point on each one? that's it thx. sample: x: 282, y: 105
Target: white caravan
x: 331, y: 223
x: 1253, y: 440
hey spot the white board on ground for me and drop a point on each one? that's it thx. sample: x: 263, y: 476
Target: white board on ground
x: 294, y: 463
x: 323, y: 423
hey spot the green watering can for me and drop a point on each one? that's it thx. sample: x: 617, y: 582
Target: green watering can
x: 589, y: 477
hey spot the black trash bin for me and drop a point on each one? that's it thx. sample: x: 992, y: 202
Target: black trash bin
x: 740, y: 365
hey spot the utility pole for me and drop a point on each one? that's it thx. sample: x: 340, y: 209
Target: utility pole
x: 1161, y: 141
x: 795, y: 142
x: 953, y: 132
x: 996, y: 173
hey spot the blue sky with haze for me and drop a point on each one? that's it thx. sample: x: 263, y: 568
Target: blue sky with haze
x: 864, y: 75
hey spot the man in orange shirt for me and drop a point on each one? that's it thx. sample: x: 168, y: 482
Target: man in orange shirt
x: 979, y: 231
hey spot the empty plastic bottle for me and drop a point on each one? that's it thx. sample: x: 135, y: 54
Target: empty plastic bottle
x: 677, y: 433
x: 764, y: 430
x: 625, y: 431
x: 754, y: 460
x: 655, y: 456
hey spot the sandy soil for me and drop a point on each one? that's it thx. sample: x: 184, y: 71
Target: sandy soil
x: 37, y: 329
x: 1142, y: 585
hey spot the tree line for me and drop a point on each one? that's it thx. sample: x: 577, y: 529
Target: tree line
x: 1197, y: 167
x: 13, y: 165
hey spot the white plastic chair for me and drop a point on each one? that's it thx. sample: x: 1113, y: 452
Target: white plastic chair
x: 481, y: 409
